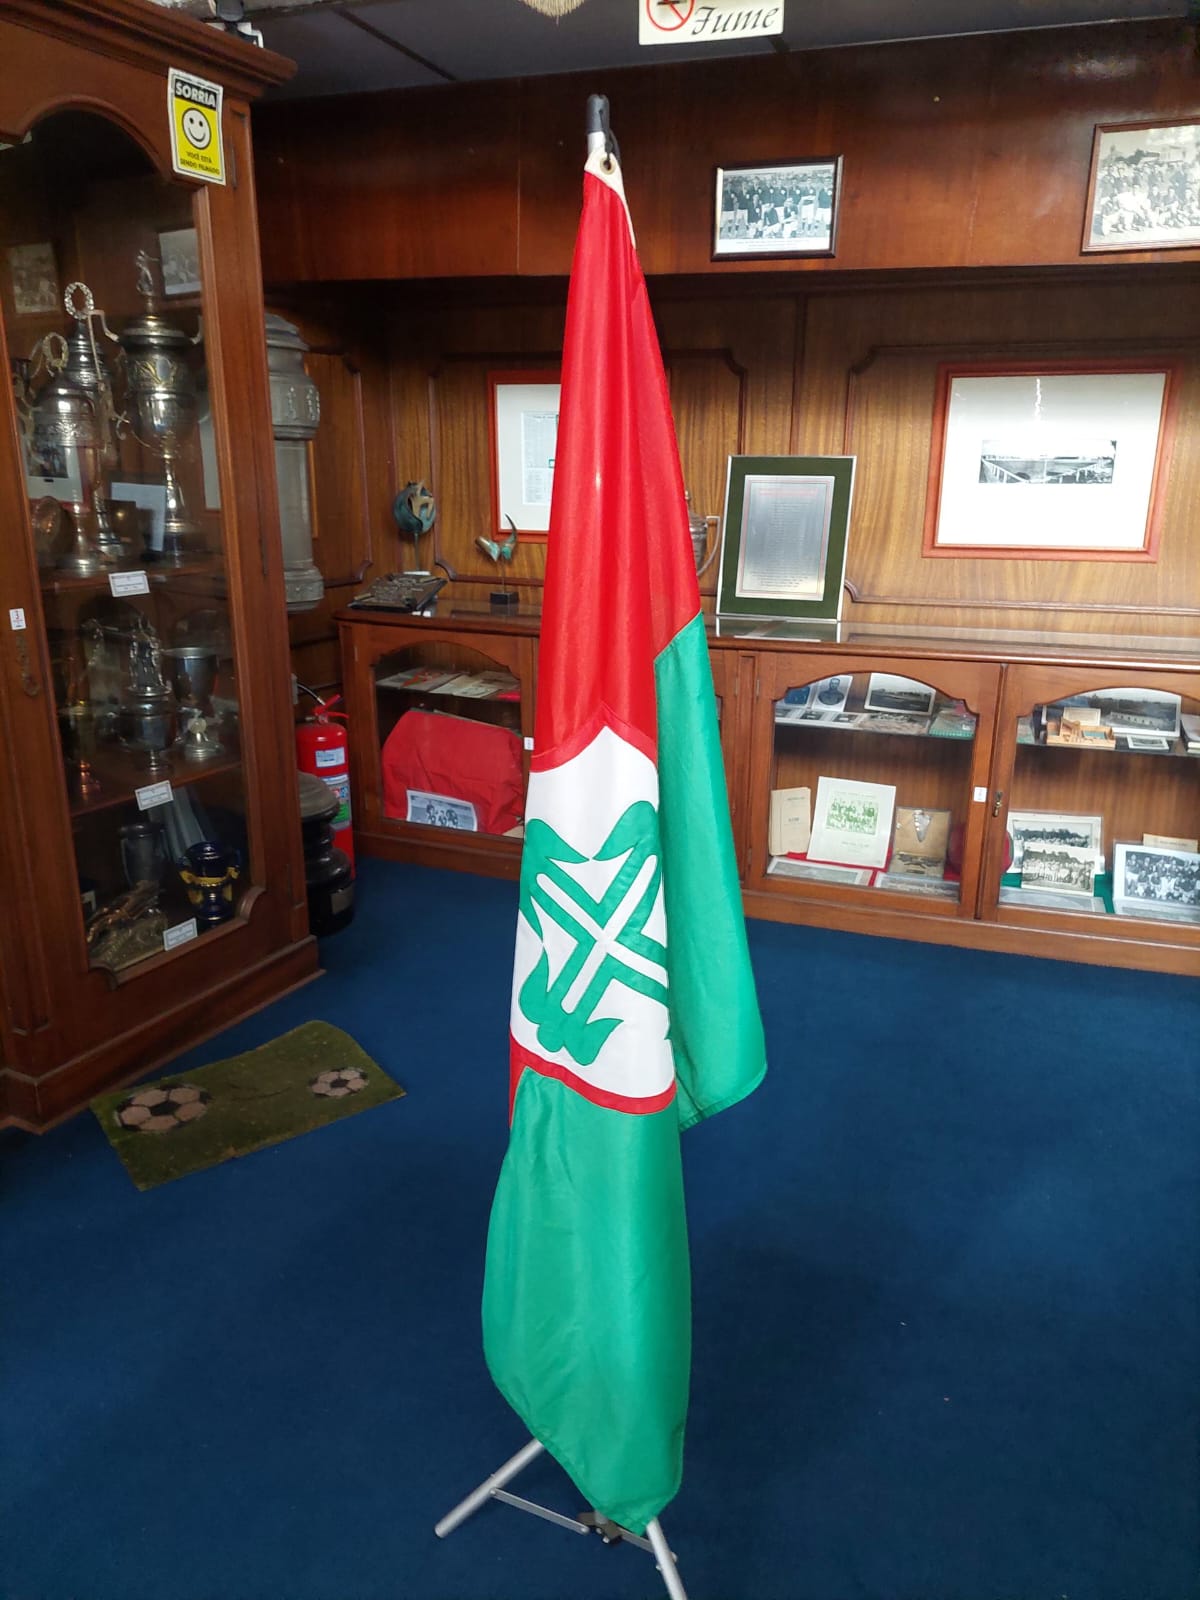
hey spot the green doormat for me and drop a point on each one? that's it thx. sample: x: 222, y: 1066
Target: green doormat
x: 304, y: 1079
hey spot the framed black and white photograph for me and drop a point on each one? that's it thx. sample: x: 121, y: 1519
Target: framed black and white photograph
x: 1061, y: 868
x: 1149, y: 881
x: 1050, y: 460
x: 179, y: 252
x: 1051, y: 829
x: 1144, y: 187
x: 33, y: 274
x: 1140, y: 712
x: 786, y: 209
x: 886, y: 692
x: 783, y: 551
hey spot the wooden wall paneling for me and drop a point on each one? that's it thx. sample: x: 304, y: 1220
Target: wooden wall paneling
x: 960, y: 152
x: 867, y: 387
x: 420, y: 184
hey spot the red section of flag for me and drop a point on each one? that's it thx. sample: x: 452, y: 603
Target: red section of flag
x: 620, y: 574
x: 634, y: 1105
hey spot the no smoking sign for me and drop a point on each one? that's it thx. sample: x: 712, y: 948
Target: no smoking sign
x: 698, y: 21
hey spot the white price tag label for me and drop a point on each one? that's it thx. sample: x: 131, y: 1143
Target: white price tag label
x: 528, y: 742
x: 154, y: 794
x: 181, y: 933
x: 120, y: 583
x: 16, y: 619
x: 980, y: 794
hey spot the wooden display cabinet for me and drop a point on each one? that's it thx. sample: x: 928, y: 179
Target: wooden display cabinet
x: 974, y: 769
x: 462, y: 643
x: 1133, y: 791
x: 796, y: 740
x: 144, y: 709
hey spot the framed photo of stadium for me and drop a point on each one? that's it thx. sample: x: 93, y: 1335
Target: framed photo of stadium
x: 1051, y: 460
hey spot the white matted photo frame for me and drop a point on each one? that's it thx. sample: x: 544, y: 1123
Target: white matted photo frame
x: 781, y: 208
x: 523, y: 428
x: 784, y: 529
x: 1051, y: 460
x: 1150, y: 881
x: 1144, y: 187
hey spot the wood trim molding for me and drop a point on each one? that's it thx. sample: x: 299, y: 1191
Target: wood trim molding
x: 137, y: 32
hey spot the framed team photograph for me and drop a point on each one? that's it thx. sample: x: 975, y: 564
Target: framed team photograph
x: 1062, y: 460
x: 1051, y: 829
x: 786, y: 209
x: 179, y: 252
x: 1144, y: 187
x: 1150, y: 881
x: 783, y: 536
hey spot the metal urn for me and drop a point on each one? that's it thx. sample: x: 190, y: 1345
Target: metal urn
x: 295, y: 414
x: 161, y: 395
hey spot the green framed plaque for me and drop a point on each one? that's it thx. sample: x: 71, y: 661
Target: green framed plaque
x: 784, y: 536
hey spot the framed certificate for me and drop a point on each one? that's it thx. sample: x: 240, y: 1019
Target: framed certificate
x: 524, y: 442
x: 784, y: 536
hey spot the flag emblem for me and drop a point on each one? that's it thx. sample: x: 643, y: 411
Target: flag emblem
x: 590, y: 988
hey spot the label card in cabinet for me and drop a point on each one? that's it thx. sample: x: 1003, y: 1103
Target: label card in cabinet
x: 181, y: 933
x: 154, y: 794
x: 120, y: 583
x: 194, y: 112
x: 16, y: 618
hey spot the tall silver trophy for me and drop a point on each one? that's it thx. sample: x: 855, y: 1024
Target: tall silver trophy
x: 161, y: 397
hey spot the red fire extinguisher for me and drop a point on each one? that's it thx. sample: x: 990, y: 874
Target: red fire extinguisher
x: 322, y: 748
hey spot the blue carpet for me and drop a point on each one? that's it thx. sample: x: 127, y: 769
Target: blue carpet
x: 946, y: 1305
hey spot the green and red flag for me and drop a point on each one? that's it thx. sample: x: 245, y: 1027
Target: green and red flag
x: 633, y: 1005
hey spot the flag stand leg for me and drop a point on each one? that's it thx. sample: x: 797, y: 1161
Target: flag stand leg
x: 493, y: 1488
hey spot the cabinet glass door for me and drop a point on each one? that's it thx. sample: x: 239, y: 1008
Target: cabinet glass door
x: 875, y: 780
x: 1101, y: 814
x: 103, y: 307
x: 449, y: 721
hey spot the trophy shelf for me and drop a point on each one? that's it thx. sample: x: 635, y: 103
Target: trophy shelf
x: 157, y: 577
x: 119, y: 782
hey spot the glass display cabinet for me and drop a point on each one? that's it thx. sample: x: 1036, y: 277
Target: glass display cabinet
x: 146, y: 720
x: 442, y: 712
x: 1098, y: 783
x: 875, y: 773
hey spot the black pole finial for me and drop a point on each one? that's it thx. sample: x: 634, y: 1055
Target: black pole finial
x: 597, y: 122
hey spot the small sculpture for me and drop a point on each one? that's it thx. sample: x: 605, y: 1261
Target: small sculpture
x: 500, y: 553
x: 415, y: 511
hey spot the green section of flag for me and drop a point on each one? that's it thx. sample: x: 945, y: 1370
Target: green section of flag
x: 716, y: 1030
x: 587, y: 1294
x: 586, y: 1306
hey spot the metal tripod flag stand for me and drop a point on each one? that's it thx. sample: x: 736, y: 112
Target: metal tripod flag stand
x: 493, y: 1488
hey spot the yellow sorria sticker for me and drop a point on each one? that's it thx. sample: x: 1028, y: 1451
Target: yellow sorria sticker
x: 194, y: 106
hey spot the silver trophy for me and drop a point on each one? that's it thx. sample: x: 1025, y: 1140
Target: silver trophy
x: 147, y: 716
x: 161, y: 397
